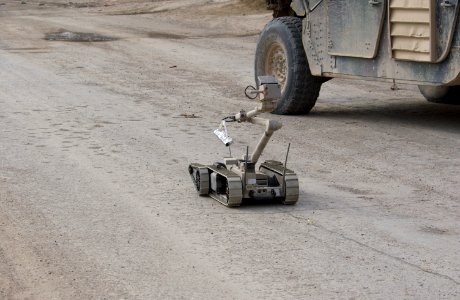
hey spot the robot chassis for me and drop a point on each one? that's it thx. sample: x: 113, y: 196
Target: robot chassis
x: 236, y: 179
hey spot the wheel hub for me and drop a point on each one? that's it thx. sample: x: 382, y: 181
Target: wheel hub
x: 276, y: 64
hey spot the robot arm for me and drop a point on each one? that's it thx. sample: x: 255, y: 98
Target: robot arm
x: 270, y: 127
x: 268, y: 93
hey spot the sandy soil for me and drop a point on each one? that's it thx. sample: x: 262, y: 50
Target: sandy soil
x: 96, y: 201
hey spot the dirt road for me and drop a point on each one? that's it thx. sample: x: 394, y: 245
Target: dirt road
x: 96, y: 201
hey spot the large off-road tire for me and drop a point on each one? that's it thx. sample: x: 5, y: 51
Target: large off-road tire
x: 280, y: 53
x: 441, y: 94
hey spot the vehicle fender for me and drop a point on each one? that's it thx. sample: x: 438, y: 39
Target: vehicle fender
x: 298, y: 6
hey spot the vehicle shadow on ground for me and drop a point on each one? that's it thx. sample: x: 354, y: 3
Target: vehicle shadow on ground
x: 307, y: 201
x: 425, y: 115
x: 261, y: 202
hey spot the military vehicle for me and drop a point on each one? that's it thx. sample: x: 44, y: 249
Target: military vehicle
x: 233, y: 180
x: 403, y: 41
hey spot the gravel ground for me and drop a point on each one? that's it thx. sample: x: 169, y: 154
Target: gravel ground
x: 96, y: 201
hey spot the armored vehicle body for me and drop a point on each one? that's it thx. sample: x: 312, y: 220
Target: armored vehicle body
x: 407, y: 41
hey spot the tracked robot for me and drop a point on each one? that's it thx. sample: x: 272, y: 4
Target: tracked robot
x: 233, y: 180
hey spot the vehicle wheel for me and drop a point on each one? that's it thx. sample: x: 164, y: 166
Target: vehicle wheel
x: 198, y: 181
x: 441, y: 94
x: 202, y: 182
x: 280, y: 53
